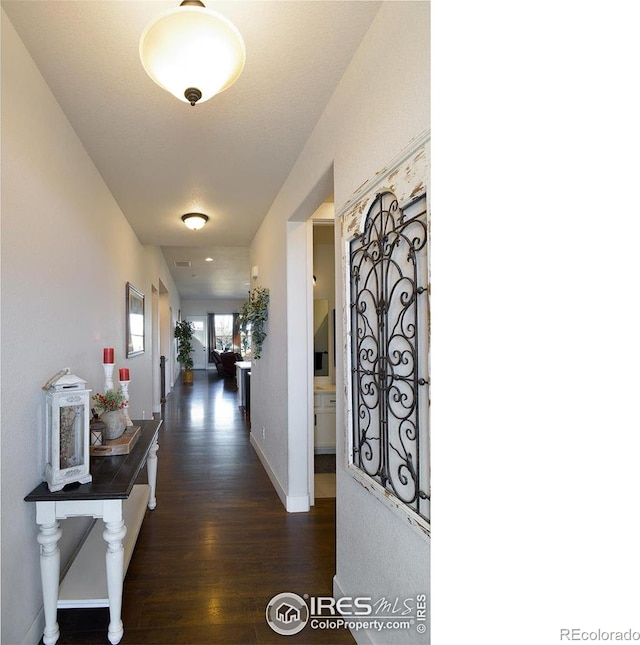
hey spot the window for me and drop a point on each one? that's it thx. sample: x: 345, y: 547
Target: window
x: 222, y: 334
x: 245, y: 340
x: 223, y: 329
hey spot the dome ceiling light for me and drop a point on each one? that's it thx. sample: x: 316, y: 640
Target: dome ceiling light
x: 195, y: 221
x: 192, y: 52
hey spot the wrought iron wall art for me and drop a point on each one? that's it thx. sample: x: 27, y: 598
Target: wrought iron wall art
x: 389, y: 342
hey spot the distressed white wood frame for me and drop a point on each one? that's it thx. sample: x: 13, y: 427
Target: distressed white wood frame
x: 407, y: 177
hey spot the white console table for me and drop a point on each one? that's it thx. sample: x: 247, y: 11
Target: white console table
x: 112, y: 496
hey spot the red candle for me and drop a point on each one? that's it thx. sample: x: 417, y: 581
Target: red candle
x: 124, y: 373
x: 107, y: 355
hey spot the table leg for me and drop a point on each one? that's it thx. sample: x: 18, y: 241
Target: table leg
x: 113, y: 534
x: 152, y: 473
x: 48, y: 538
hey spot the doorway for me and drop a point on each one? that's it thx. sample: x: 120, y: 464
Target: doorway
x: 199, y: 341
x: 324, y: 355
x: 299, y: 494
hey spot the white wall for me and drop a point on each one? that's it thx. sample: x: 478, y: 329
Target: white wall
x: 269, y: 373
x: 380, y: 105
x: 212, y: 306
x: 324, y: 288
x: 67, y: 253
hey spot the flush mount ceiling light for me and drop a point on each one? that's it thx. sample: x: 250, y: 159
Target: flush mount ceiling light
x: 192, y: 52
x: 195, y: 221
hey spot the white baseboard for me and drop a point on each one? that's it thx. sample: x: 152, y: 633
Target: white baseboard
x: 298, y: 504
x: 293, y: 504
x: 267, y: 466
x: 34, y: 635
x: 326, y: 450
x: 362, y: 636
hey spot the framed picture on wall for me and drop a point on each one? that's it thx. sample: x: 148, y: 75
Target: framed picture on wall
x: 135, y: 321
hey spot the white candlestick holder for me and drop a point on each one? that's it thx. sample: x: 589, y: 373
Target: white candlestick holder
x: 108, y: 376
x: 124, y: 388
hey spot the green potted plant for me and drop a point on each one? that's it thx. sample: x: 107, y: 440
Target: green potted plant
x: 253, y: 317
x: 184, y: 334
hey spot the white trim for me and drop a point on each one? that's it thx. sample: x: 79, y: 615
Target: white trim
x: 299, y: 504
x: 292, y: 504
x: 311, y: 429
x: 34, y: 634
x: 299, y: 381
x: 419, y: 524
x: 362, y: 636
x: 327, y: 450
x: 156, y: 404
x: 282, y: 494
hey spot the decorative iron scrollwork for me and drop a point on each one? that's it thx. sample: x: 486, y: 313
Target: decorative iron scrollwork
x: 389, y: 336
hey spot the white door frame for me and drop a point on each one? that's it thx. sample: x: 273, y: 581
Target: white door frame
x: 299, y: 364
x: 155, y: 349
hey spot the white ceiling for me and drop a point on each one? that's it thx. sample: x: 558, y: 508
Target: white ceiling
x: 161, y: 157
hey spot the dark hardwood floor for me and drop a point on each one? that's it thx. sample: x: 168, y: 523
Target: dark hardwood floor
x: 219, y: 545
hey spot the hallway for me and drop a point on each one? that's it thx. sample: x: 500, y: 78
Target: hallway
x: 219, y: 545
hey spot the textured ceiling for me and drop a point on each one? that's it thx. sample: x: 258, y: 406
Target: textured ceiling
x: 160, y: 157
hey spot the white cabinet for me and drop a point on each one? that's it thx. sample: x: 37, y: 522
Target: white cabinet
x: 242, y: 368
x: 324, y: 404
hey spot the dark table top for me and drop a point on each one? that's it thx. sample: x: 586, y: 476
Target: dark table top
x: 112, y: 477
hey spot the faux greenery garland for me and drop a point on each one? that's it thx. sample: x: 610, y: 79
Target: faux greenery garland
x: 254, y: 311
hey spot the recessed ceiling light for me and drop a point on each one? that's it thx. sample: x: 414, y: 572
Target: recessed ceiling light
x: 208, y: 259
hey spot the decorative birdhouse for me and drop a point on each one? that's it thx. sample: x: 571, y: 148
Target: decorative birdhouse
x: 67, y: 425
